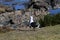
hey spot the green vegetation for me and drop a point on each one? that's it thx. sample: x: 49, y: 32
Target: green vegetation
x: 50, y: 20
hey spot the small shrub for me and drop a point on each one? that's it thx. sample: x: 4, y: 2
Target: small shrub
x: 42, y: 24
x: 50, y: 20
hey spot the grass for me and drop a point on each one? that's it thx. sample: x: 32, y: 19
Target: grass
x: 46, y: 33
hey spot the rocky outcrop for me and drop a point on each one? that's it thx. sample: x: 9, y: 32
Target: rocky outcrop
x: 19, y: 18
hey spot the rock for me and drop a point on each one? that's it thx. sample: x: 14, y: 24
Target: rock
x: 19, y: 19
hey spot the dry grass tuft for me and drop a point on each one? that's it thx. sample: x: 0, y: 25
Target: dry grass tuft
x: 46, y: 33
